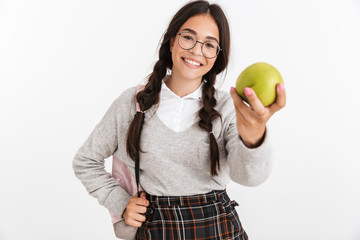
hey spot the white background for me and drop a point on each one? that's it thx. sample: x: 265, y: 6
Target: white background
x: 62, y: 63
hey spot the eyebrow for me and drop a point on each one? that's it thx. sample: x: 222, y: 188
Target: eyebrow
x: 195, y: 33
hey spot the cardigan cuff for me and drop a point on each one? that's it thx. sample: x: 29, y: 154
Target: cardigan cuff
x: 117, y: 201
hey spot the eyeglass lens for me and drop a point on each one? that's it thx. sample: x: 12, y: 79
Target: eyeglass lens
x: 210, y: 49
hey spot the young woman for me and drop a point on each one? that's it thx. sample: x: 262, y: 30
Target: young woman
x: 190, y: 138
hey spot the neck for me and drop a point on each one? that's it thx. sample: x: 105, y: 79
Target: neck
x: 181, y: 86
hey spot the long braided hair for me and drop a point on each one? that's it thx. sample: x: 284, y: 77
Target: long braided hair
x: 150, y: 95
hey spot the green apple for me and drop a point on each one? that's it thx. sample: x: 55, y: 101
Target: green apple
x: 262, y: 78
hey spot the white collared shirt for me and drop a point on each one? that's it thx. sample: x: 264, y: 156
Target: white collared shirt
x: 179, y: 113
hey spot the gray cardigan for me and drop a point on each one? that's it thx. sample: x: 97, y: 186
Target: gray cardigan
x: 172, y: 163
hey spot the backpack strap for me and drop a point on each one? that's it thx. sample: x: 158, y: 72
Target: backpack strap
x: 137, y: 159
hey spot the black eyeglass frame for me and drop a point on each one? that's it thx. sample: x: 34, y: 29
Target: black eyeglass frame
x: 202, y: 45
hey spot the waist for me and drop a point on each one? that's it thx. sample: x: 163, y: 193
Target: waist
x: 191, y: 200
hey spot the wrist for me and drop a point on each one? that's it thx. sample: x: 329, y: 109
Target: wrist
x: 255, y: 142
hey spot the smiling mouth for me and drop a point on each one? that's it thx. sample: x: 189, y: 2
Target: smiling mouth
x: 192, y: 62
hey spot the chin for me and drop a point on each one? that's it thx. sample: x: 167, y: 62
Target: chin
x: 193, y: 74
x: 192, y: 77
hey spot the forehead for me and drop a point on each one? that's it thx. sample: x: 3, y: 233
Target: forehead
x: 204, y: 25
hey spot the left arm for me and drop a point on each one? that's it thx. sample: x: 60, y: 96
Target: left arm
x: 251, y: 120
x: 249, y: 151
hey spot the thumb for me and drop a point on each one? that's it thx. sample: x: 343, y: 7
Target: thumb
x: 232, y: 91
x: 143, y: 194
x: 238, y: 102
x: 234, y: 94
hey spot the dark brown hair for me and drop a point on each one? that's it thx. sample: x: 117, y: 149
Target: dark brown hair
x: 150, y: 95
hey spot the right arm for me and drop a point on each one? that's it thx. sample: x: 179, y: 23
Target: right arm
x: 88, y: 163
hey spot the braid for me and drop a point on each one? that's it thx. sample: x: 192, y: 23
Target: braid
x: 146, y: 99
x: 207, y: 114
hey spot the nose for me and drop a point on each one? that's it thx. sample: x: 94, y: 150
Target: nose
x: 196, y: 50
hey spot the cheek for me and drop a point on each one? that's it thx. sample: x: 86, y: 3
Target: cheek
x: 210, y: 63
x: 173, y: 50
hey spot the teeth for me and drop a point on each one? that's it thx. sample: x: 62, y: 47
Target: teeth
x: 192, y: 62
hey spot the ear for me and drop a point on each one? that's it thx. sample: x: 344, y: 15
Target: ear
x: 171, y: 44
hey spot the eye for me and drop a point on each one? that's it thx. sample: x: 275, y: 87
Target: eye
x: 210, y: 45
x: 188, y: 37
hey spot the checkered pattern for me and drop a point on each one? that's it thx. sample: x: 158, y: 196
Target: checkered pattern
x: 202, y: 217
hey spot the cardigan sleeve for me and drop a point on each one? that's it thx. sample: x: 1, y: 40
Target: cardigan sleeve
x: 88, y: 163
x: 248, y: 166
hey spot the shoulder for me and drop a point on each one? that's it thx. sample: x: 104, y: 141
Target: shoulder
x: 125, y: 103
x: 126, y: 97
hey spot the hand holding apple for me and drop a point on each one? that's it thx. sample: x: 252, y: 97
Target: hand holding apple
x: 251, y: 120
x: 262, y: 78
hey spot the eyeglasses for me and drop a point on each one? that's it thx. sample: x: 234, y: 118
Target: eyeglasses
x: 209, y: 49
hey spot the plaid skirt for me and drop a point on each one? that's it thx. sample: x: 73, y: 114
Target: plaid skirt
x: 205, y: 216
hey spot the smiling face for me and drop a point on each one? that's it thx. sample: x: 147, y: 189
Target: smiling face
x: 192, y: 64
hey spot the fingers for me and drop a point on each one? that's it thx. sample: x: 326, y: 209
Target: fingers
x: 254, y: 101
x: 256, y: 106
x: 134, y: 213
x: 135, y: 220
x: 137, y: 213
x: 243, y: 111
x: 280, y: 98
x: 134, y: 216
x: 141, y: 200
x: 238, y: 102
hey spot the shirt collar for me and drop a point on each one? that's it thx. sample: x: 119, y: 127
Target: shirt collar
x: 166, y: 93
